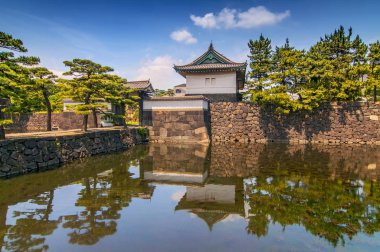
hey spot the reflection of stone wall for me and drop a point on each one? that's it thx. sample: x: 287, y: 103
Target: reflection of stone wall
x: 178, y: 126
x: 37, y: 122
x: 31, y: 154
x: 186, y: 158
x: 244, y: 122
x: 327, y: 161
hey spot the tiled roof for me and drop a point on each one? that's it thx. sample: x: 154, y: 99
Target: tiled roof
x: 217, y: 62
x: 216, y: 66
x: 144, y: 85
x: 181, y: 85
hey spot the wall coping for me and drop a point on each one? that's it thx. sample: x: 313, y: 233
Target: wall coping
x: 177, y: 98
x: 63, y: 133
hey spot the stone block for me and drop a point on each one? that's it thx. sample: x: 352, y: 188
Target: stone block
x: 200, y: 130
x: 371, y: 166
x: 374, y: 117
x: 163, y: 132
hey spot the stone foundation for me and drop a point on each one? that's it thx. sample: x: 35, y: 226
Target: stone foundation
x: 179, y: 126
x: 30, y: 154
x: 345, y: 123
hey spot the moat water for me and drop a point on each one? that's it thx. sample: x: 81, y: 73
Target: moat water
x: 256, y: 197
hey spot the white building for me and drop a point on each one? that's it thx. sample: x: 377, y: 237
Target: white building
x: 214, y: 76
x: 180, y: 90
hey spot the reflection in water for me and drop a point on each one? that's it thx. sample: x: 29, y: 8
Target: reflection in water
x: 332, y: 192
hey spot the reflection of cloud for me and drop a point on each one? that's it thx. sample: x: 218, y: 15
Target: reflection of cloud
x: 192, y: 215
x: 231, y: 18
x: 160, y: 72
x: 177, y: 196
x: 232, y: 218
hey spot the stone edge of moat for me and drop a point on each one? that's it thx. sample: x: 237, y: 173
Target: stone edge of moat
x: 32, y: 152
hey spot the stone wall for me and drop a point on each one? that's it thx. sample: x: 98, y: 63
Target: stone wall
x: 175, y: 159
x: 178, y: 125
x: 24, y: 155
x: 345, y: 123
x: 33, y: 122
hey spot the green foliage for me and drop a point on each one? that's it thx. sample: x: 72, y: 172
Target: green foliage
x: 374, y: 67
x: 4, y: 122
x: 159, y: 92
x: 260, y: 61
x: 142, y: 132
x: 292, y: 80
x: 8, y: 42
x: 13, y: 76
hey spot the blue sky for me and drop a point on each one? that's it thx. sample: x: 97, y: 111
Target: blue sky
x: 143, y: 39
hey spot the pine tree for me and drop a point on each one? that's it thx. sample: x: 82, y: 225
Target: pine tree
x: 43, y: 84
x: 374, y: 67
x: 12, y: 73
x: 260, y: 61
x: 331, y: 63
x: 287, y: 68
x: 88, y: 86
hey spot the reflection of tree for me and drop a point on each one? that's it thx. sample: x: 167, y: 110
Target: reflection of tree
x: 102, y: 198
x: 326, y: 208
x: 32, y: 226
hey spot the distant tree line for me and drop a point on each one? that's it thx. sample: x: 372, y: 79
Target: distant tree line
x: 26, y: 86
x: 160, y: 92
x: 339, y: 67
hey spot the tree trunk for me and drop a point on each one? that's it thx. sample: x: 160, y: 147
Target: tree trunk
x: 95, y: 118
x: 2, y: 131
x: 85, y: 120
x: 48, y: 106
x: 123, y: 123
x: 374, y: 94
x: 85, y: 117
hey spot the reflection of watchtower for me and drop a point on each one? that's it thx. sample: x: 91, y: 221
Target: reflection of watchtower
x: 210, y: 198
x: 179, y: 164
x: 215, y: 201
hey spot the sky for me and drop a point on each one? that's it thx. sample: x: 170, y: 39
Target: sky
x: 144, y: 39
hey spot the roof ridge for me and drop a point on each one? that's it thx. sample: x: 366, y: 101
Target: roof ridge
x: 210, y: 49
x: 139, y: 81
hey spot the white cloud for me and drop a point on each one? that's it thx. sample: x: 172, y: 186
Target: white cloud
x: 231, y: 18
x: 232, y: 218
x: 160, y: 72
x: 177, y: 196
x: 207, y: 21
x: 183, y: 36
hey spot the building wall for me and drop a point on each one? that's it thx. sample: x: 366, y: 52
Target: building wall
x: 225, y: 83
x: 179, y: 104
x: 179, y: 91
x: 346, y: 123
x: 32, y: 122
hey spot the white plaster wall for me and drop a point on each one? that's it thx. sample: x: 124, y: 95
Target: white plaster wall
x: 175, y: 105
x: 225, y: 83
x: 212, y: 193
x: 175, y: 177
